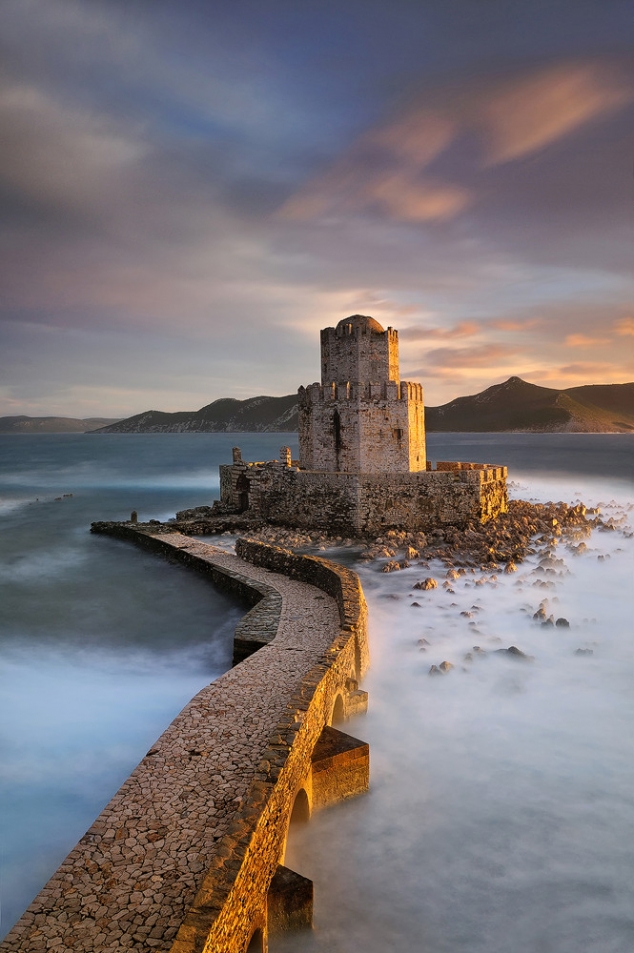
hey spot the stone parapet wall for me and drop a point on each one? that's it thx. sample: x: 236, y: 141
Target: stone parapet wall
x: 182, y: 857
x: 340, y: 583
x: 367, y: 504
x: 361, y: 390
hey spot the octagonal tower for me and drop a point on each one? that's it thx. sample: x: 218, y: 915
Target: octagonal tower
x: 362, y: 418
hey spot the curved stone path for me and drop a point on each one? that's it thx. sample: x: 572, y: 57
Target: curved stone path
x: 128, y: 883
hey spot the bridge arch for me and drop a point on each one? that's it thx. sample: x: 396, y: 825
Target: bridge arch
x: 256, y: 943
x: 338, y: 711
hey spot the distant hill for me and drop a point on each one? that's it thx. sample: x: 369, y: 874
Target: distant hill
x: 24, y: 424
x: 226, y: 415
x: 514, y: 405
x: 518, y: 406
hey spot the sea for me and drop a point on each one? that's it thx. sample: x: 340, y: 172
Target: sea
x: 500, y: 817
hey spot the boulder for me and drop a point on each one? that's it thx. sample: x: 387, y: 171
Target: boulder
x: 428, y: 583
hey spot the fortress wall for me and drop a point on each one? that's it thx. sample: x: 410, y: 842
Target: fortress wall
x: 431, y: 499
x: 366, y: 504
x: 183, y: 856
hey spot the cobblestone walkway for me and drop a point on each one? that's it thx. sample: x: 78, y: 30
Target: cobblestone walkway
x: 131, y: 878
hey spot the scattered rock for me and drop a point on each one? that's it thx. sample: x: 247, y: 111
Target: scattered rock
x: 584, y: 652
x: 514, y: 652
x: 445, y: 666
x: 562, y: 623
x: 428, y: 583
x: 415, y: 605
x: 391, y: 566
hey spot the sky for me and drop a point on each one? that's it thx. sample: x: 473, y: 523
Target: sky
x: 192, y: 189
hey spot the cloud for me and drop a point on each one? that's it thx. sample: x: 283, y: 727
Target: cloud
x: 470, y: 357
x: 537, y: 111
x: 587, y: 371
x: 583, y: 340
x: 625, y: 327
x: 57, y: 154
x: 522, y: 325
x: 383, y: 170
x: 462, y: 330
x: 386, y: 169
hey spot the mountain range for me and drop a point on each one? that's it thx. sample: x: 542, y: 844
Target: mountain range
x: 514, y: 405
x: 23, y: 424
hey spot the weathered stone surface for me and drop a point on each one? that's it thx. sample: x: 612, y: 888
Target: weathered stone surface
x: 340, y: 767
x: 289, y: 902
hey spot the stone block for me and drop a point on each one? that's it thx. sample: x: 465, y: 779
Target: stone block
x: 289, y: 902
x: 340, y: 768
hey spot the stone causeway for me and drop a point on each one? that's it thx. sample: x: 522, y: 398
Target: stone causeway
x: 188, y: 854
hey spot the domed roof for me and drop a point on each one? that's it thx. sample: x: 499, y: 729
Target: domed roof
x: 363, y: 321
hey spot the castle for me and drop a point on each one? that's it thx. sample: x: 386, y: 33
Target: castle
x: 362, y: 465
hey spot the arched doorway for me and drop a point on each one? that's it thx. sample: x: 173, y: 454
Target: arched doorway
x: 242, y: 489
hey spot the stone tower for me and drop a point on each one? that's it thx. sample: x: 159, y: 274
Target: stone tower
x: 362, y: 418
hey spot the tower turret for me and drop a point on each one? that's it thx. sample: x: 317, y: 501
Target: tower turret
x: 361, y: 418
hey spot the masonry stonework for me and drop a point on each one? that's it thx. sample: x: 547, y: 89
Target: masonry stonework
x: 362, y: 465
x: 361, y: 418
x: 184, y: 856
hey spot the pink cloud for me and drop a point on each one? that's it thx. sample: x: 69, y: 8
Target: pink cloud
x: 583, y: 340
x: 543, y: 108
x: 625, y: 327
x: 462, y: 330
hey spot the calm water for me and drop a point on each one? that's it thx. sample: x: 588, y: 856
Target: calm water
x: 500, y: 817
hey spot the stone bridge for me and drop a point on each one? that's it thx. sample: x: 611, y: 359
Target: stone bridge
x: 188, y: 855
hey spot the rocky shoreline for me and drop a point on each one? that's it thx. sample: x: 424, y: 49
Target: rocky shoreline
x: 499, y: 544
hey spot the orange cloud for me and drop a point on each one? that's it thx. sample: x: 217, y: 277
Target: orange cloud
x: 383, y: 170
x: 582, y: 340
x: 469, y: 357
x: 625, y: 327
x: 462, y: 330
x: 587, y: 370
x: 517, y: 325
x: 539, y: 110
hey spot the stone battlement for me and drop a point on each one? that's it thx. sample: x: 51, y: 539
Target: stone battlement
x: 365, y: 504
x: 358, y: 390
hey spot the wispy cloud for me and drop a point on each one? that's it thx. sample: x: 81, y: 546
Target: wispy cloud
x: 386, y: 170
x: 583, y: 340
x: 383, y: 170
x: 538, y: 110
x: 463, y: 330
x: 625, y: 327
